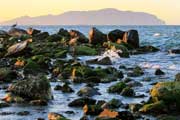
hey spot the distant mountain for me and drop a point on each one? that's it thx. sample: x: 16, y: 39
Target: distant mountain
x: 98, y: 17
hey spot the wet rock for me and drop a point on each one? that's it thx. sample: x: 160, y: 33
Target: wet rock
x: 41, y: 36
x: 61, y: 54
x: 137, y: 71
x: 107, y: 114
x: 34, y: 88
x: 177, y: 77
x: 85, y: 117
x: 96, y: 37
x: 80, y: 102
x: 56, y: 116
x: 93, y: 79
x: 133, y: 38
x: 129, y: 92
x: 7, y: 75
x: 63, y: 32
x: 103, y: 61
x: 168, y: 92
x: 157, y: 107
x: 65, y: 88
x: 145, y: 49
x: 32, y: 67
x: 6, y: 113
x: 92, y: 109
x: 112, y: 104
x: 85, y: 50
x: 114, y: 35
x: 88, y: 92
x: 134, y: 107
x: 126, y: 115
x: 32, y: 31
x: 121, y: 49
x: 117, y: 88
x: 69, y: 112
x: 3, y: 104
x: 54, y: 37
x: 159, y: 72
x: 23, y: 113
x: 16, y: 32
x: 134, y: 84
x: 39, y: 102
x: 174, y: 51
x: 18, y: 48
x: 10, y: 98
x: 168, y: 117
x: 81, y: 38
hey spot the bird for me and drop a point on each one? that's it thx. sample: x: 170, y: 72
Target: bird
x: 14, y: 25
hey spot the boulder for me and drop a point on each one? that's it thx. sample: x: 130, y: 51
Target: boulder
x: 117, y: 88
x: 114, y: 35
x: 63, y: 32
x: 88, y: 92
x: 34, y: 88
x: 96, y: 36
x: 92, y: 109
x: 137, y: 71
x: 81, y: 38
x: 80, y: 102
x: 56, y: 116
x: 107, y: 114
x: 133, y: 38
x: 40, y: 36
x: 54, y: 37
x: 159, y: 72
x: 85, y: 50
x: 16, y: 32
x: 7, y: 75
x: 157, y: 107
x: 33, y: 32
x: 168, y: 92
x: 102, y: 61
x: 174, y: 51
x: 129, y: 92
x: 112, y: 104
x: 65, y: 88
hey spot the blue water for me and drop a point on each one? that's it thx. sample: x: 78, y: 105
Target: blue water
x: 163, y: 37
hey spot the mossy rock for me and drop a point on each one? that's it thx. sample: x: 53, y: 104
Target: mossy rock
x: 85, y: 50
x: 137, y: 71
x: 169, y: 92
x: 157, y: 107
x: 31, y: 67
x: 54, y: 37
x: 117, y: 88
x: 37, y: 87
x: 61, y: 54
x: 7, y: 75
x: 129, y: 92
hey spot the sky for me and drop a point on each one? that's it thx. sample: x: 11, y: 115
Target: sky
x: 167, y: 10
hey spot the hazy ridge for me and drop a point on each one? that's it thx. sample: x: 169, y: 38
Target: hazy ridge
x: 97, y: 17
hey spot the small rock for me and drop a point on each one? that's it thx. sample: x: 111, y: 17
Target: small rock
x: 23, y: 113
x: 159, y: 72
x: 39, y: 102
x: 56, y: 116
x: 128, y: 92
x: 88, y: 92
x: 80, y: 102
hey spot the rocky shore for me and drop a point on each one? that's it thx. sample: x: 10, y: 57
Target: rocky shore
x: 30, y: 60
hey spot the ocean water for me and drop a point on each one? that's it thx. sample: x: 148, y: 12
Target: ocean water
x: 163, y: 37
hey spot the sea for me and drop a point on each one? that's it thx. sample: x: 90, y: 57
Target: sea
x: 163, y: 37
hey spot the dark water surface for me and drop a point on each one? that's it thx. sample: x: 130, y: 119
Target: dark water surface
x: 163, y: 37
